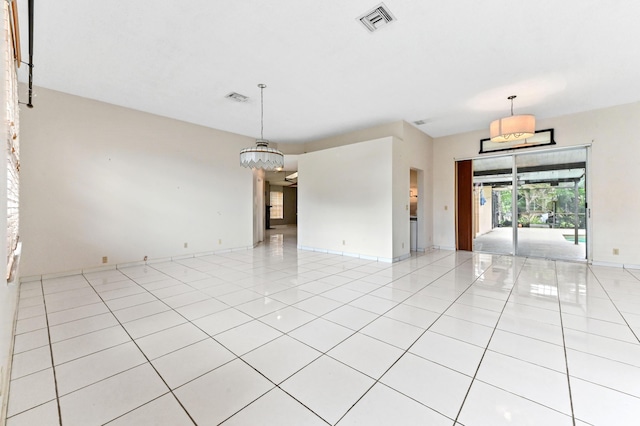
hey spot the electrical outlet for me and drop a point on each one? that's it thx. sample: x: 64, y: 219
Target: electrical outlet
x: 344, y: 242
x: 616, y: 251
x: 402, y: 245
x: 105, y: 259
x: 220, y: 241
x: 446, y: 207
x: 186, y: 245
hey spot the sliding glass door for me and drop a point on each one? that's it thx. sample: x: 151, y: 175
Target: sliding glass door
x: 537, y: 204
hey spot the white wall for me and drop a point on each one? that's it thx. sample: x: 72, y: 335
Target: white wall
x: 395, y: 128
x: 400, y: 208
x: 410, y: 149
x: 345, y: 194
x: 615, y: 198
x: 101, y: 180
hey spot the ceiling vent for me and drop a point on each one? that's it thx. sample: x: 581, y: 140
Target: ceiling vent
x: 422, y: 122
x: 237, y: 97
x: 377, y: 18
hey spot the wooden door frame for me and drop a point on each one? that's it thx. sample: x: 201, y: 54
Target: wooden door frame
x: 464, y: 205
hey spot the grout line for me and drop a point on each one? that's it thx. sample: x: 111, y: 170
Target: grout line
x: 414, y: 342
x: 564, y: 347
x: 495, y: 327
x: 234, y: 258
x: 146, y: 357
x: 614, y: 305
x: 53, y: 367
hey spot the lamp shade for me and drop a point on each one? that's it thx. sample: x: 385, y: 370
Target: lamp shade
x: 261, y: 157
x: 512, y: 128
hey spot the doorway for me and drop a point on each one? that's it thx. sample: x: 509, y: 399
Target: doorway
x: 531, y: 204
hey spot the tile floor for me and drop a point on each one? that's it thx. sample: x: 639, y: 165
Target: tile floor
x: 277, y: 336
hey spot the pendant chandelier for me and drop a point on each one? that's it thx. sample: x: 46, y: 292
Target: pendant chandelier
x: 512, y: 128
x: 261, y: 156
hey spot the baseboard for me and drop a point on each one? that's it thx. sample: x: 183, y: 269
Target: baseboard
x: 357, y: 255
x: 607, y: 264
x: 128, y: 264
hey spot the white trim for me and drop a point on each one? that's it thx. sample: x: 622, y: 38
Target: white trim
x: 61, y: 274
x: 608, y: 264
x: 516, y: 151
x: 123, y: 265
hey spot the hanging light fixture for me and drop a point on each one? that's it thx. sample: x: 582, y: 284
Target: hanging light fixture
x: 261, y: 156
x: 512, y: 128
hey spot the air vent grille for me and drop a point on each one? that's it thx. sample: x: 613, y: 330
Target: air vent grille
x: 237, y: 97
x: 377, y: 18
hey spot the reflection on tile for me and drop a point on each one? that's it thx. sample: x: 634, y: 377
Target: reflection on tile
x: 287, y: 319
x: 224, y: 330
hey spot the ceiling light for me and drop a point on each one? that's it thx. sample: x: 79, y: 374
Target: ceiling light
x: 261, y: 156
x: 514, y: 127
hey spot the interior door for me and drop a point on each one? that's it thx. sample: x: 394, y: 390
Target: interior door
x: 464, y: 206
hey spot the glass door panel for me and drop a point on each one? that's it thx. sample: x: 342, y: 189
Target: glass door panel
x: 492, y: 205
x: 551, y: 204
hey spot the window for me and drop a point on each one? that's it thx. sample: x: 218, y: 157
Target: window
x: 11, y: 59
x: 276, y: 201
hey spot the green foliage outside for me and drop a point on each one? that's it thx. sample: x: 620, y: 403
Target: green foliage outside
x: 537, y: 204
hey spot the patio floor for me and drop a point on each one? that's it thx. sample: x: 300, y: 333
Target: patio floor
x: 535, y: 242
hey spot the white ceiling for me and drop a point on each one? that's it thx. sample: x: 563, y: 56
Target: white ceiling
x: 452, y: 63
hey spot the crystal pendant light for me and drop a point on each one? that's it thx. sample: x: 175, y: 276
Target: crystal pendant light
x: 261, y: 156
